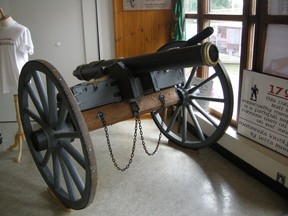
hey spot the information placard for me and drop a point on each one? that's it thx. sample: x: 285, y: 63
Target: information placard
x: 263, y: 114
x: 146, y: 4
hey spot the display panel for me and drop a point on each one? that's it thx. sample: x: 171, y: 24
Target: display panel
x: 263, y: 114
x: 146, y: 4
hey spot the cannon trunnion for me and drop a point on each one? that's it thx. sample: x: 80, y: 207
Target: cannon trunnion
x: 57, y: 119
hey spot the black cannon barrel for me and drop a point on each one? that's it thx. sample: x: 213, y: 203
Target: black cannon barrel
x: 191, y: 56
x: 202, y: 35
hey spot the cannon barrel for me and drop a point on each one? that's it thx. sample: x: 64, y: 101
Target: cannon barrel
x: 191, y: 56
x: 202, y: 35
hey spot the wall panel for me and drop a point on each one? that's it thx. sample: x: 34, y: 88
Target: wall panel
x: 140, y: 31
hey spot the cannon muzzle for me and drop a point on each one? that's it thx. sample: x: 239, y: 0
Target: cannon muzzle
x: 191, y: 56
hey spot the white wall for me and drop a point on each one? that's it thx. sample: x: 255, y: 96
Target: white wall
x: 71, y: 23
x: 106, y: 28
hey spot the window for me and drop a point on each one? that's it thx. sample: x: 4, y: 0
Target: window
x: 272, y: 54
x: 226, y: 17
x: 225, y: 7
x: 242, y: 33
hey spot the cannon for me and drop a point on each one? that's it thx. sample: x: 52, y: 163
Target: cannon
x: 57, y: 119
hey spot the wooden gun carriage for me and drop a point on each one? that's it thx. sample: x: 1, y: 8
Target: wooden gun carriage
x: 57, y: 119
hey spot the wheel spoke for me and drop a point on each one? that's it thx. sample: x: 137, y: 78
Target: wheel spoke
x: 206, y: 98
x: 69, y: 134
x: 35, y: 100
x: 74, y: 153
x: 72, y: 170
x: 203, y: 112
x: 46, y: 157
x: 184, y: 124
x: 34, y: 116
x: 68, y: 181
x: 51, y: 91
x: 173, y: 119
x: 192, y: 74
x: 56, y: 172
x: 63, y: 113
x: 209, y: 79
x: 40, y: 88
x: 196, y: 124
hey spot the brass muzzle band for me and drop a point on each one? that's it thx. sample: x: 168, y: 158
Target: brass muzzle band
x: 209, y: 54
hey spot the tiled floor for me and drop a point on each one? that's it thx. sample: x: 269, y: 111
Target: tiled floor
x: 175, y: 181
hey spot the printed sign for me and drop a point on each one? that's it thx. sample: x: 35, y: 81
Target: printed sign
x: 263, y: 114
x: 146, y: 4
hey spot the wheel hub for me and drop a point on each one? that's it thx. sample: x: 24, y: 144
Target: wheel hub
x: 42, y: 139
x: 185, y: 96
x: 39, y: 140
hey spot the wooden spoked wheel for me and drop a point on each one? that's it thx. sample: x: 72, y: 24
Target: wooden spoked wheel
x: 192, y: 112
x: 57, y: 135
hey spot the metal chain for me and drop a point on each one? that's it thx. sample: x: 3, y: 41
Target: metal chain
x: 136, y: 113
x: 102, y: 118
x: 162, y: 99
x: 143, y: 141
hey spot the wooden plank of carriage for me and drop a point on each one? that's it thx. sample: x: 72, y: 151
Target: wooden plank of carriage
x: 120, y: 111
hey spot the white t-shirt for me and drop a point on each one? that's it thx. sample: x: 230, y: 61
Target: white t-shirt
x: 15, y: 45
